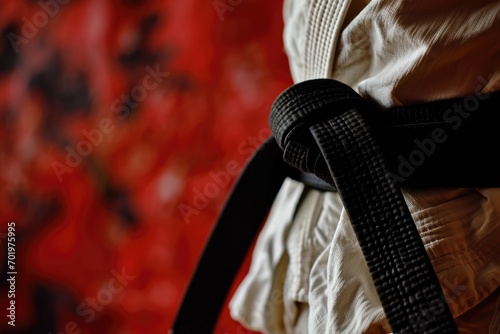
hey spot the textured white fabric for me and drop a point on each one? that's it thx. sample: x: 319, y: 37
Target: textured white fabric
x: 393, y: 53
x: 259, y: 300
x: 396, y: 52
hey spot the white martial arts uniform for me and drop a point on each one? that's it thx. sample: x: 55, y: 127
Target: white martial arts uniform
x: 308, y: 274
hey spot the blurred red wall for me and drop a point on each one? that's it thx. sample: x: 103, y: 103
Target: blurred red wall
x: 115, y: 116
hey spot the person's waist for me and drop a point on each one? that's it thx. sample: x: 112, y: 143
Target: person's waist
x: 436, y: 144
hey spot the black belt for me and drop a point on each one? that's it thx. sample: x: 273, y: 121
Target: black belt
x: 323, y: 128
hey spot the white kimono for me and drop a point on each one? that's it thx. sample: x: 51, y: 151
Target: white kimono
x: 308, y: 274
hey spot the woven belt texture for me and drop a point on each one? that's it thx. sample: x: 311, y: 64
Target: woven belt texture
x: 321, y: 128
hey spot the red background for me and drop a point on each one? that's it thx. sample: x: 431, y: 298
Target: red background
x: 117, y: 209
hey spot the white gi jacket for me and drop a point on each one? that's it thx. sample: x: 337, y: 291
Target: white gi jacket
x: 308, y: 274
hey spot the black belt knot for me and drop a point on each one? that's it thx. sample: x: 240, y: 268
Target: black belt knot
x: 302, y: 108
